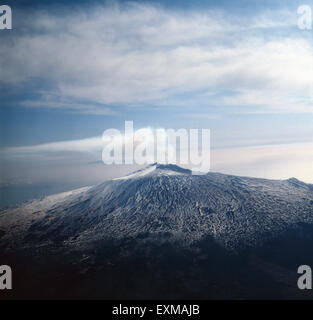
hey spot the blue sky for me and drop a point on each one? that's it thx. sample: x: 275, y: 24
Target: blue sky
x: 71, y: 69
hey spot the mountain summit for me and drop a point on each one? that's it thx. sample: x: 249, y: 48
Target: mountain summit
x: 157, y: 169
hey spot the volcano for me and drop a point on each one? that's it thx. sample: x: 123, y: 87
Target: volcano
x: 162, y: 232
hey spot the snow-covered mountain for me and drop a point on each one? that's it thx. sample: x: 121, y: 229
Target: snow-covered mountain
x: 164, y: 202
x: 161, y: 206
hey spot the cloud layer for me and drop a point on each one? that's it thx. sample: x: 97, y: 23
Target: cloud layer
x: 134, y: 54
x: 277, y: 161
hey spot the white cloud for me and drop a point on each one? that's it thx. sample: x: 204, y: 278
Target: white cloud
x: 93, y: 144
x: 144, y: 54
x: 88, y: 145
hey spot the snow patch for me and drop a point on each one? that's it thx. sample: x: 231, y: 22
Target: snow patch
x: 139, y: 173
